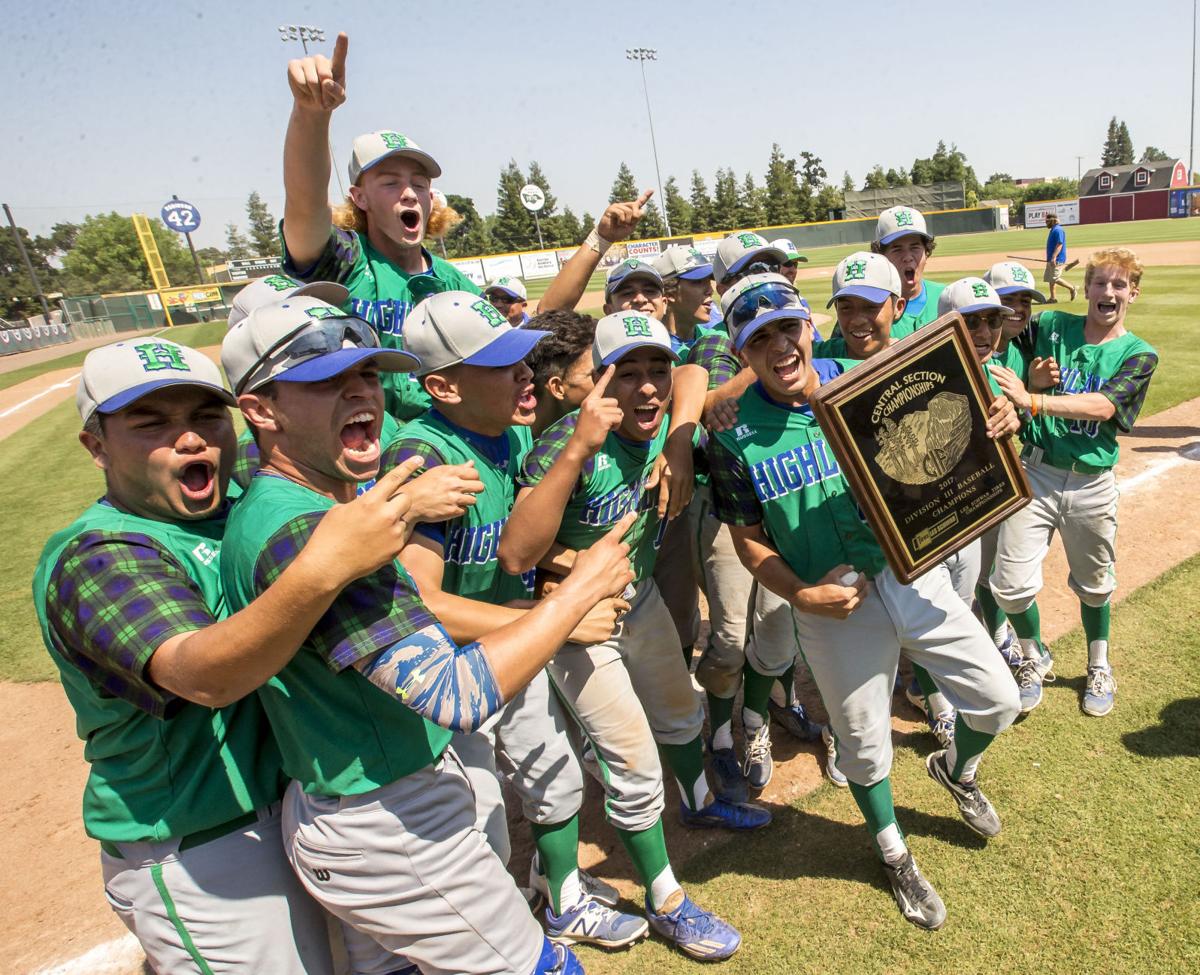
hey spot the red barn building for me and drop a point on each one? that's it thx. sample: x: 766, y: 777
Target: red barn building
x: 1138, y: 192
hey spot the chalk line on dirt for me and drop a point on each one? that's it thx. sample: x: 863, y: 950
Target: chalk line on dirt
x: 110, y: 958
x: 37, y: 396
x: 1185, y: 454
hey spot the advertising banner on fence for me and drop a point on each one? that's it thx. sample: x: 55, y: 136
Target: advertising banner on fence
x: 643, y: 248
x: 507, y: 265
x: 180, y: 297
x: 1067, y: 212
x: 472, y: 267
x: 1184, y: 203
x: 539, y: 264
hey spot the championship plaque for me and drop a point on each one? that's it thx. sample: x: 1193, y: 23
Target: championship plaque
x: 908, y: 427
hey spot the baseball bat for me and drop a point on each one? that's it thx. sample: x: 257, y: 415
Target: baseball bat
x: 1038, y: 260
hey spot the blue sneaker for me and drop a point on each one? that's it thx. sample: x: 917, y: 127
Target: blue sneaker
x: 592, y: 923
x: 914, y: 694
x: 695, y: 931
x: 831, y: 756
x: 731, y: 783
x: 1031, y: 674
x: 1010, y: 648
x: 1100, y: 692
x: 794, y: 720
x: 720, y: 814
x: 557, y: 959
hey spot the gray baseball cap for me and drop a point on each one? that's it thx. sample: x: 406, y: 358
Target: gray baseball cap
x: 682, y: 263
x: 302, y: 340
x: 631, y: 267
x: 897, y: 222
x: 117, y: 375
x: 513, y: 287
x: 789, y: 250
x: 1009, y: 277
x: 738, y: 250
x: 758, y: 299
x: 620, y: 333
x: 374, y: 147
x: 969, y: 295
x: 458, y: 326
x: 866, y: 275
x: 276, y: 287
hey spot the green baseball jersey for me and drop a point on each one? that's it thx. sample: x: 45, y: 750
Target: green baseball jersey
x: 775, y: 468
x: 339, y: 734
x: 109, y: 590
x: 921, y: 310
x: 1120, y: 370
x: 383, y: 294
x: 470, y: 543
x: 611, y: 484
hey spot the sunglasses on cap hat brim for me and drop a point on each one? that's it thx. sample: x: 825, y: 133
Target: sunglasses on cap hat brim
x: 761, y: 305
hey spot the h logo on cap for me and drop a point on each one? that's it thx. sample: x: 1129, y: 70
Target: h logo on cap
x: 904, y: 218
x: 319, y: 313
x: 393, y: 140
x: 749, y: 240
x: 636, y: 326
x: 1020, y: 274
x: 279, y: 283
x: 157, y: 356
x: 980, y: 289
x: 488, y: 311
x: 856, y: 271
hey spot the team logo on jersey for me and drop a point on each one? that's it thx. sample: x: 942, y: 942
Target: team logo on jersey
x: 278, y: 282
x: 742, y: 431
x: 204, y: 553
x: 1020, y: 274
x: 159, y: 355
x: 856, y: 271
x: 393, y: 140
x: 904, y: 218
x: 488, y: 311
x: 636, y: 326
x: 603, y: 462
x: 980, y: 290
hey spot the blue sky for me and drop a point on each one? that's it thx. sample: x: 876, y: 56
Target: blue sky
x: 119, y: 105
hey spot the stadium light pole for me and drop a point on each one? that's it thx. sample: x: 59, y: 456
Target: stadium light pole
x: 642, y: 55
x: 305, y: 33
x: 1192, y: 130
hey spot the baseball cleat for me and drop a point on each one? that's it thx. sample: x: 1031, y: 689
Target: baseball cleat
x: 943, y: 727
x: 1010, y: 648
x: 914, y: 695
x: 591, y: 923
x: 720, y: 814
x: 794, y: 720
x: 974, y: 807
x: 731, y: 783
x: 757, y: 765
x: 915, y: 896
x: 593, y: 887
x: 695, y: 931
x: 1100, y: 691
x: 831, y: 755
x: 1031, y: 674
x: 557, y: 959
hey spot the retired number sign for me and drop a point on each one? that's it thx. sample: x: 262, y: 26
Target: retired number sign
x: 908, y: 427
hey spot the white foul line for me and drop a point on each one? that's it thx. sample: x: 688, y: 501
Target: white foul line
x: 36, y: 396
x: 1190, y: 452
x: 114, y: 957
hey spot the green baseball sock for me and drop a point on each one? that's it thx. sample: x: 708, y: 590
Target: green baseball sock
x: 1096, y: 621
x: 924, y: 681
x: 993, y: 615
x: 787, y: 680
x: 687, y: 765
x: 756, y: 691
x: 647, y: 849
x: 1028, y: 624
x: 558, y: 856
x: 875, y: 803
x: 962, y: 757
x: 720, y: 720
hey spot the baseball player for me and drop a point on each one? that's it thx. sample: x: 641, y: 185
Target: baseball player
x: 184, y: 787
x: 379, y: 256
x: 510, y: 298
x: 903, y: 238
x: 561, y: 365
x: 792, y: 259
x: 631, y: 694
x: 1069, y: 454
x: 378, y: 814
x: 688, y: 294
x: 473, y: 369
x: 797, y: 528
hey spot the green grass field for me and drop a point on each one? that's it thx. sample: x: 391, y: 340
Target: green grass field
x: 1095, y: 871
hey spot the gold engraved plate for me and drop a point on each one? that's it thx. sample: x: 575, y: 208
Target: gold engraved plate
x: 926, y: 444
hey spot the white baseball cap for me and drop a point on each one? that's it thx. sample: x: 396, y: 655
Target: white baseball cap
x: 374, y: 147
x: 620, y: 333
x: 513, y: 287
x: 276, y: 287
x: 896, y: 222
x: 866, y: 275
x: 682, y: 263
x: 738, y: 250
x: 1009, y: 277
x: 758, y: 299
x: 302, y: 340
x: 114, y: 376
x: 457, y: 326
x: 789, y: 250
x: 631, y: 267
x: 969, y: 295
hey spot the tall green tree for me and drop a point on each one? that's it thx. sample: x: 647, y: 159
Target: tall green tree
x: 751, y: 205
x: 847, y: 182
x: 1126, y: 144
x: 237, y: 245
x: 651, y: 226
x: 1154, y: 154
x: 945, y: 164
x: 538, y: 178
x: 107, y: 257
x: 514, y: 229
x: 569, y: 231
x: 470, y: 238
x: 264, y: 229
x: 701, y: 203
x: 898, y: 177
x: 725, y: 201
x: 780, y: 189
x: 1118, y: 146
x: 17, y: 298
x: 624, y: 186
x: 679, y: 211
x: 829, y: 202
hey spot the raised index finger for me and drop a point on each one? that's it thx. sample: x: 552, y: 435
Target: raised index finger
x: 338, y: 66
x: 602, y: 383
x: 644, y: 198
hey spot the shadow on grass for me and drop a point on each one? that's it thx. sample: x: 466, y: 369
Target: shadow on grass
x: 1176, y: 734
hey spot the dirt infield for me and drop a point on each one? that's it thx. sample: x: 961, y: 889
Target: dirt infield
x: 55, y: 909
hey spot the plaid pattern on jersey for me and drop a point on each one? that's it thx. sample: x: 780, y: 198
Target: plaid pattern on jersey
x: 1127, y: 389
x: 733, y: 498
x: 245, y: 463
x: 337, y: 260
x: 546, y: 450
x: 368, y: 616
x: 398, y: 451
x: 113, y: 599
x: 715, y: 353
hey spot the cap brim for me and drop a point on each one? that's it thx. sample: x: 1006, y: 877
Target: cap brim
x: 985, y: 306
x: 876, y: 296
x: 696, y: 273
x: 620, y: 352
x: 611, y: 286
x: 744, y: 334
x: 745, y: 259
x: 1014, y: 289
x: 322, y: 367
x: 418, y: 155
x: 115, y: 404
x: 508, y: 348
x: 884, y: 241
x: 796, y: 258
x: 516, y: 296
x: 327, y: 291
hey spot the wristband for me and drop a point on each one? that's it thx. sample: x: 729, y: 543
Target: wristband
x: 1033, y: 407
x: 596, y: 242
